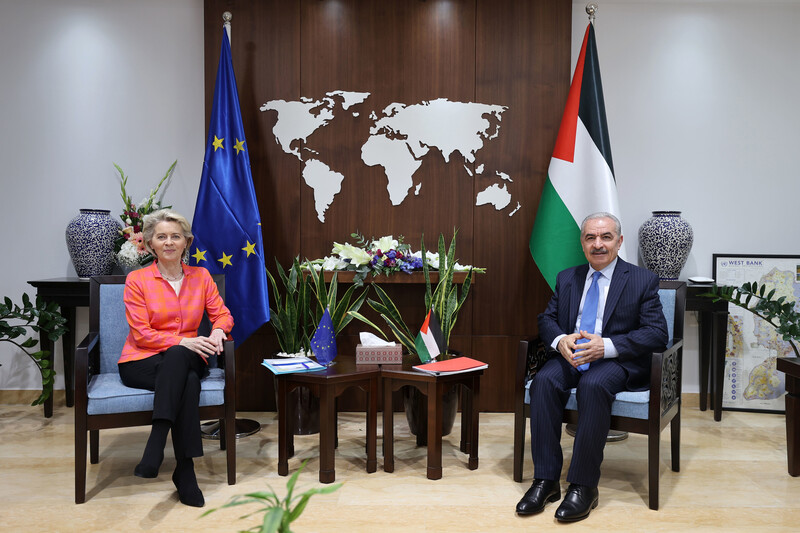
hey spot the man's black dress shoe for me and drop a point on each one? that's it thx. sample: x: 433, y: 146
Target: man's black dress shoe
x: 578, y: 503
x: 542, y: 491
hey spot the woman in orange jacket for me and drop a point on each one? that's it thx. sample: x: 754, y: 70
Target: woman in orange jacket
x: 164, y: 304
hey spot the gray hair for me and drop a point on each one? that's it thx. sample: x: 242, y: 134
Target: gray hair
x: 603, y: 214
x: 164, y: 215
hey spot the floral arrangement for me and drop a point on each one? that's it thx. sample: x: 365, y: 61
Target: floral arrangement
x: 385, y: 255
x: 129, y: 246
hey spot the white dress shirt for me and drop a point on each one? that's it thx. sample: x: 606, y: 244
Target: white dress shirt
x: 603, y: 283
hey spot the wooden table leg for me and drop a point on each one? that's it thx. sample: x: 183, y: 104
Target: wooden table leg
x: 388, y: 426
x: 327, y: 435
x: 705, y: 346
x: 283, y: 428
x: 792, y: 424
x: 46, y: 344
x: 68, y: 347
x: 720, y: 330
x: 372, y: 425
x: 466, y: 419
x: 435, y: 394
x: 474, y: 394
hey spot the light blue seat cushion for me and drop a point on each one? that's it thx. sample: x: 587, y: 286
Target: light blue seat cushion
x: 628, y: 403
x: 107, y: 394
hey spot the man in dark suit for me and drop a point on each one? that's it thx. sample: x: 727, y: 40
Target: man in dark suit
x: 624, y: 325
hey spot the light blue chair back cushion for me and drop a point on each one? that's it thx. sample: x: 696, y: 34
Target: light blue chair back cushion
x: 629, y: 403
x: 107, y: 394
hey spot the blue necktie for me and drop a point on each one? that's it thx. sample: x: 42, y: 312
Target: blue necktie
x: 589, y: 314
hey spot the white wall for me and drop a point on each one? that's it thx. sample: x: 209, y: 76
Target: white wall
x: 699, y: 95
x: 86, y: 83
x: 702, y: 113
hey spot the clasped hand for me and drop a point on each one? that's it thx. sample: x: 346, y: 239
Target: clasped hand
x: 206, y: 346
x: 586, y: 352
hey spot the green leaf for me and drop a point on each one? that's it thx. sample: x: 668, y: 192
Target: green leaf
x: 366, y: 321
x: 272, y: 520
x: 390, y: 310
x: 29, y: 343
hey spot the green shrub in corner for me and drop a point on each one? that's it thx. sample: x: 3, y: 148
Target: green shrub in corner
x: 40, y: 318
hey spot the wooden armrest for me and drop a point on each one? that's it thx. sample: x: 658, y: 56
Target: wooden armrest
x: 665, y: 376
x: 86, y: 350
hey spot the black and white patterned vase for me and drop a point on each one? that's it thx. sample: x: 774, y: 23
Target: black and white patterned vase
x: 665, y: 240
x: 90, y: 241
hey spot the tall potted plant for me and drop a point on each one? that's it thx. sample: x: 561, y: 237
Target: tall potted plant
x: 446, y: 299
x: 343, y: 309
x: 300, y: 300
x: 292, y: 318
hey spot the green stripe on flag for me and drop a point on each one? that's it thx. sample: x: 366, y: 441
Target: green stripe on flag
x: 555, y: 239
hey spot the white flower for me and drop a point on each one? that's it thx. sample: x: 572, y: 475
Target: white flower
x: 432, y: 258
x: 433, y: 261
x: 332, y: 263
x: 128, y: 221
x: 384, y: 244
x: 356, y: 255
x: 128, y: 255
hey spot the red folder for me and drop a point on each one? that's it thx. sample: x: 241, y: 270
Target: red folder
x: 455, y: 365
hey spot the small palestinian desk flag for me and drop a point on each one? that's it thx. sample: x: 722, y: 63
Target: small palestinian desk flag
x: 430, y: 340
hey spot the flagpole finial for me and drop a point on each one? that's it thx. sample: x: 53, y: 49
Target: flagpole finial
x: 591, y: 9
x: 226, y: 23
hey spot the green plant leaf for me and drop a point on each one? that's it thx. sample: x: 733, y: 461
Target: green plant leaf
x: 366, y: 321
x: 273, y: 520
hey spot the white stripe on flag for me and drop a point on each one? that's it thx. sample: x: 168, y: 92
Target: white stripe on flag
x: 587, y: 185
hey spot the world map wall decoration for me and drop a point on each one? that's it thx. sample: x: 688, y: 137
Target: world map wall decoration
x: 399, y: 140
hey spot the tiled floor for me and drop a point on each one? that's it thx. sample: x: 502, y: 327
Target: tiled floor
x: 733, y: 478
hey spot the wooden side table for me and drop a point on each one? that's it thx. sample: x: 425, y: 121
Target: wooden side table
x: 712, y: 330
x: 791, y: 367
x: 68, y: 293
x: 434, y: 387
x: 327, y: 385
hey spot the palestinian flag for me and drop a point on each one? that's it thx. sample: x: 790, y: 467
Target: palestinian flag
x: 430, y: 340
x: 580, y: 179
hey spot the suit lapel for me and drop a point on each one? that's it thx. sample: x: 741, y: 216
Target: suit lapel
x: 575, y: 294
x: 618, y: 281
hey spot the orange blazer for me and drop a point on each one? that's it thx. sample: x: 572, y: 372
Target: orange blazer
x: 158, y: 318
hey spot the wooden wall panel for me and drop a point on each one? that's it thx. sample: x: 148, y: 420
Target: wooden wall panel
x: 505, y: 52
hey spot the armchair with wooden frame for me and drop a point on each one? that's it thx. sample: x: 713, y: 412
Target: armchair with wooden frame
x: 103, y: 402
x: 646, y: 412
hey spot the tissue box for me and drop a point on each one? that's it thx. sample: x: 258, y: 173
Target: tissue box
x: 389, y: 355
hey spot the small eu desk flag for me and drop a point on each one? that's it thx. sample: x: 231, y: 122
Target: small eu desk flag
x: 323, y: 343
x: 227, y: 224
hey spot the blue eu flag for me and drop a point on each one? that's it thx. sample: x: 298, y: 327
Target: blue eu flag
x: 323, y: 343
x: 227, y: 225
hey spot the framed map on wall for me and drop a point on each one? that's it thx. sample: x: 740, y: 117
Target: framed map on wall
x: 751, y: 381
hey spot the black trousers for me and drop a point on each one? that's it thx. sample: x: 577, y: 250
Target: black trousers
x: 550, y: 391
x: 174, y: 376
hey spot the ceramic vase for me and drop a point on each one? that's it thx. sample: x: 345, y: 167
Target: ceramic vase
x: 665, y: 240
x: 90, y: 240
